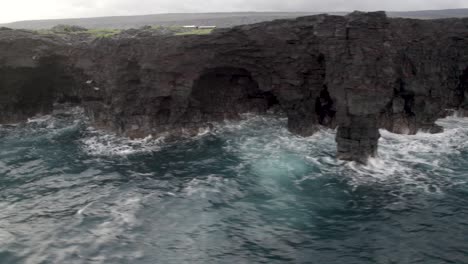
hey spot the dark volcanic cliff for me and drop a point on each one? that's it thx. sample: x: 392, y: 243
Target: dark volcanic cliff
x: 359, y: 73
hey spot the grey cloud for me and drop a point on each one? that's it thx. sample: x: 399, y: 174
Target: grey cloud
x: 121, y: 7
x: 288, y: 5
x: 90, y: 8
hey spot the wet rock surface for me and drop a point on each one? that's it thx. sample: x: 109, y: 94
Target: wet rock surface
x: 360, y: 73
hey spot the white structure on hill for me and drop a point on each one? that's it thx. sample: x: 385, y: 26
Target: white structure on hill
x: 199, y: 27
x: 206, y: 27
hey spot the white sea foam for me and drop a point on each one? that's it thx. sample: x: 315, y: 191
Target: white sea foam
x: 107, y: 219
x: 50, y: 120
x: 81, y: 211
x: 270, y: 151
x: 99, y: 143
x: 415, y: 161
x: 118, y: 214
x: 212, y: 184
x: 103, y: 230
x: 411, y: 161
x: 39, y: 119
x: 274, y: 155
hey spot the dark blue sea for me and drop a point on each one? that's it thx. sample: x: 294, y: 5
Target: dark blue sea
x: 246, y: 192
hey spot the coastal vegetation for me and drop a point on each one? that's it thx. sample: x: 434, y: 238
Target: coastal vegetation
x: 72, y: 30
x: 77, y: 30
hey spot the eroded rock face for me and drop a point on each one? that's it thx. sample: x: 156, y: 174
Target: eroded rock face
x: 33, y: 75
x: 359, y: 73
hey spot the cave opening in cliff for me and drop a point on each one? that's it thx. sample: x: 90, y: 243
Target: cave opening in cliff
x: 462, y: 91
x: 28, y: 91
x: 325, y: 108
x: 225, y: 92
x: 407, y: 96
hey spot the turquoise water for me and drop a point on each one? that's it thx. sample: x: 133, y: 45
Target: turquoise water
x: 247, y: 192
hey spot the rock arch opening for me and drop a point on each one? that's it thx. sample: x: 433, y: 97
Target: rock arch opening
x: 225, y: 92
x: 325, y: 108
x: 462, y: 92
x: 33, y: 90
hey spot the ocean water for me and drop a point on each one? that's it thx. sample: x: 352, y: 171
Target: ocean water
x: 246, y: 192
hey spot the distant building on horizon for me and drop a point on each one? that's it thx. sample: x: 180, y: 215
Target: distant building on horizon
x: 206, y: 27
x: 199, y: 27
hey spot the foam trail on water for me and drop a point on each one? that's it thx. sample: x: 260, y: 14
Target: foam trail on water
x: 99, y: 143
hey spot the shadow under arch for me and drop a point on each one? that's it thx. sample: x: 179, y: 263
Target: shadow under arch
x: 222, y: 93
x: 462, y: 92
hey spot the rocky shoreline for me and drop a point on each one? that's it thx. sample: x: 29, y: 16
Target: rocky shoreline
x: 359, y: 73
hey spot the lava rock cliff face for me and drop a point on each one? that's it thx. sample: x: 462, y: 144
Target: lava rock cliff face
x: 357, y: 73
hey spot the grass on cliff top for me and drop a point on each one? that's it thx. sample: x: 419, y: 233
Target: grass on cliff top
x: 180, y: 31
x: 72, y: 30
x: 102, y: 32
x: 64, y: 30
x: 198, y: 31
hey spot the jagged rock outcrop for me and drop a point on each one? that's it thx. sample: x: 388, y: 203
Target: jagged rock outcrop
x: 359, y: 73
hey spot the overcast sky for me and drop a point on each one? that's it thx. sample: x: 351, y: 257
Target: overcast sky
x: 14, y: 10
